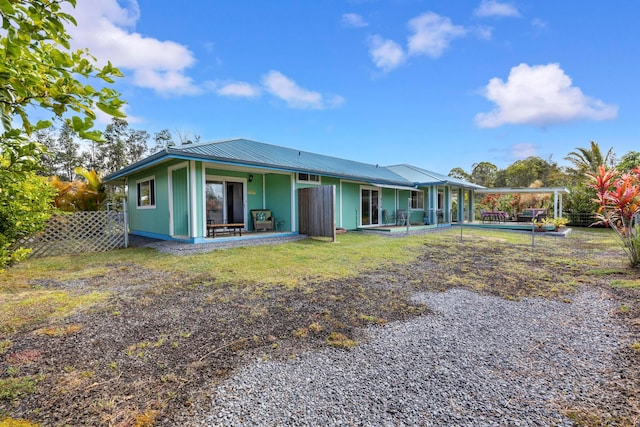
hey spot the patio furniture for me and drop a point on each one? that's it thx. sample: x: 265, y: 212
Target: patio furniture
x: 529, y: 214
x: 401, y: 217
x: 387, y: 217
x: 262, y: 219
x: 213, y: 228
x: 493, y: 216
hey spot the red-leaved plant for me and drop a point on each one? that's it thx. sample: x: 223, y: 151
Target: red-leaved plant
x: 619, y: 199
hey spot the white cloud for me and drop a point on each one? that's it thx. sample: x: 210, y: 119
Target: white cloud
x: 483, y: 33
x: 334, y: 101
x: 523, y: 150
x: 106, y: 28
x: 353, y: 20
x: 489, y: 8
x: 286, y: 89
x: 238, y: 89
x: 539, y: 24
x: 386, y: 54
x: 432, y: 34
x: 539, y: 95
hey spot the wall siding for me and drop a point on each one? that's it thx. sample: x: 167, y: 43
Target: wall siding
x: 351, y: 205
x: 180, y: 193
x: 154, y: 221
x: 388, y: 205
x: 278, y: 199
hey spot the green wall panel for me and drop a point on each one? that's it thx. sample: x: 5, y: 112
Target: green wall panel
x: 180, y: 193
x: 155, y: 220
x: 200, y: 225
x: 350, y: 205
x: 278, y: 198
x: 388, y: 205
x: 254, y: 193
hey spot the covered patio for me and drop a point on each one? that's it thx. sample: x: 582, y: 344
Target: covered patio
x: 556, y: 191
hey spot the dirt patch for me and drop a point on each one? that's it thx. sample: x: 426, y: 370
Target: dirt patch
x: 150, y: 355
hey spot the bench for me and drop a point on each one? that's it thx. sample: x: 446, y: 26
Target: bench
x: 224, y: 228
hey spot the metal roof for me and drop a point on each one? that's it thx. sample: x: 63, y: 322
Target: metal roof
x: 421, y: 176
x: 253, y: 154
x: 247, y: 152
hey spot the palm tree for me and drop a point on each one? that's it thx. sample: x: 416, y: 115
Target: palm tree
x: 587, y: 160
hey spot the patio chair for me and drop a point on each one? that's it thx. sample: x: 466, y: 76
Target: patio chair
x: 388, y: 217
x: 401, y: 217
x: 262, y: 219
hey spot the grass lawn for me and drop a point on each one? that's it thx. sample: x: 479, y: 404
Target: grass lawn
x: 136, y: 337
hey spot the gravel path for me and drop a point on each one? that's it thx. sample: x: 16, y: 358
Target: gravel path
x: 479, y: 361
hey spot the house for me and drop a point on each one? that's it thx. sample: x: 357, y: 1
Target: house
x: 173, y: 193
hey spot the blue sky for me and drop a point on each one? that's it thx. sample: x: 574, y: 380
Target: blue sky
x: 437, y: 84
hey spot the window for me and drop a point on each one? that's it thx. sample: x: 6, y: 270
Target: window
x: 146, y: 193
x: 417, y: 200
x: 308, y: 177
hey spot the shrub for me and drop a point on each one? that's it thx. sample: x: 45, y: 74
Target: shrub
x: 618, y: 196
x: 25, y: 206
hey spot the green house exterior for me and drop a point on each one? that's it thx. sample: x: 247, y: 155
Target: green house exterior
x: 172, y: 194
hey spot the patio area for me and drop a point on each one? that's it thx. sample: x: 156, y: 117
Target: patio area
x: 248, y: 238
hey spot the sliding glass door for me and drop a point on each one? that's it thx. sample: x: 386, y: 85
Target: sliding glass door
x: 225, y: 202
x: 370, y: 206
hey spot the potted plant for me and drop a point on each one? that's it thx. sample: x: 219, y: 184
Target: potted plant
x: 539, y: 223
x: 557, y: 222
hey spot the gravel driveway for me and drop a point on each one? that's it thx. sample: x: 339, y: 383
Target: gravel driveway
x: 479, y: 361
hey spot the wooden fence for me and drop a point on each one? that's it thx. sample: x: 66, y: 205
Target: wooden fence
x: 317, y: 211
x: 79, y: 232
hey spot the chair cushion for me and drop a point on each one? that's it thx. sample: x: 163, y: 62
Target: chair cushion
x: 261, y: 216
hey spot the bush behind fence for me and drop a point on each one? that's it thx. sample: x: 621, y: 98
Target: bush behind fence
x: 581, y: 219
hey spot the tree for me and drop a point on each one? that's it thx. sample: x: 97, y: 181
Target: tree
x: 25, y: 207
x: 523, y: 173
x: 39, y: 72
x: 163, y: 140
x: 459, y: 173
x: 48, y: 161
x: 484, y: 173
x: 68, y: 155
x: 90, y: 157
x: 619, y: 198
x: 588, y: 160
x: 185, y: 138
x: 86, y: 195
x: 121, y: 147
x: 629, y: 161
x: 112, y: 151
x: 137, y: 145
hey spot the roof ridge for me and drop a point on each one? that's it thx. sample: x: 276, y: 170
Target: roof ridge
x: 217, y: 141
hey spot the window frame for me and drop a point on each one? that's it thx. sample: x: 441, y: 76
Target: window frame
x: 417, y: 200
x: 151, y: 181
x: 308, y: 180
